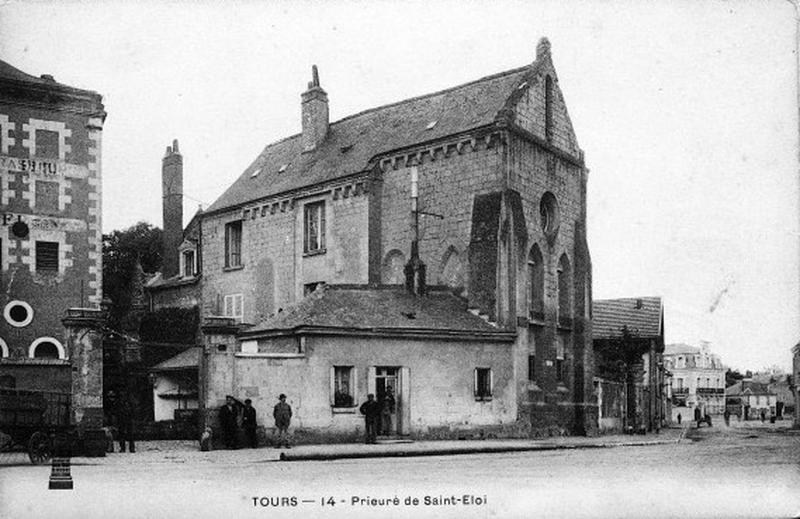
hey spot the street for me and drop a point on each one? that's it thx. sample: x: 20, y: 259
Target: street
x: 713, y: 472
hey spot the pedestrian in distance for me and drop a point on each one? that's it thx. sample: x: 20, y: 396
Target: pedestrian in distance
x: 371, y: 410
x: 727, y: 416
x: 124, y: 421
x: 228, y: 416
x: 387, y: 410
x: 763, y: 416
x: 249, y: 423
x: 679, y: 418
x: 282, y: 413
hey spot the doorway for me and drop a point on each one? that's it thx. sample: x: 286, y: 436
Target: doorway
x: 386, y: 392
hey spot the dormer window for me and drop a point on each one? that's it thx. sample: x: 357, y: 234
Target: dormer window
x: 188, y: 259
x: 188, y: 263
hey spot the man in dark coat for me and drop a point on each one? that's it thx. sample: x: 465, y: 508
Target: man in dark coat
x: 371, y: 410
x: 227, y: 421
x: 249, y: 423
x: 123, y: 415
x: 282, y: 413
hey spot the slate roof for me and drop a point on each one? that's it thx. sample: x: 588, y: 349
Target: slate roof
x: 8, y: 72
x: 186, y: 359
x: 742, y: 387
x: 680, y: 348
x: 642, y: 315
x: 370, y: 133
x: 385, y: 308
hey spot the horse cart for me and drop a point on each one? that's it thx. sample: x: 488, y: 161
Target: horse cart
x: 37, y: 421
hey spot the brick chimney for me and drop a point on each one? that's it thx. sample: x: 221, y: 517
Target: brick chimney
x: 315, y: 113
x: 172, y: 207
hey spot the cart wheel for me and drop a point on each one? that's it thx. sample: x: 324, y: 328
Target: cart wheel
x: 39, y: 448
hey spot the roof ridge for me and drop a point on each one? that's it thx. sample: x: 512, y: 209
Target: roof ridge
x: 397, y: 103
x: 432, y: 94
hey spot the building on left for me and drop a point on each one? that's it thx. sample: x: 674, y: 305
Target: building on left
x: 50, y: 238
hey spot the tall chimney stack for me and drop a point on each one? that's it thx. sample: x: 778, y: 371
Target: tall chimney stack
x: 172, y: 207
x: 315, y: 113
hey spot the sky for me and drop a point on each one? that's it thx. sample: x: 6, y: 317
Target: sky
x: 687, y: 112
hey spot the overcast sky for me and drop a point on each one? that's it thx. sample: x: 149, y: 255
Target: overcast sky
x: 687, y: 112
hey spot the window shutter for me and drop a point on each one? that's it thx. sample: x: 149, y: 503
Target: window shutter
x: 333, y: 385
x: 322, y: 225
x: 475, y: 389
x: 491, y: 382
x: 371, y: 380
x: 354, y: 385
x: 404, y: 403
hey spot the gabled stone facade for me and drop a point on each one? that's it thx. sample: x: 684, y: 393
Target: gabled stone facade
x: 501, y: 190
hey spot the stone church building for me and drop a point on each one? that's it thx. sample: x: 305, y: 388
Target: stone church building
x: 435, y: 246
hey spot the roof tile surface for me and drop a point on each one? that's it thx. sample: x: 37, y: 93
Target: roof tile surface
x: 641, y: 315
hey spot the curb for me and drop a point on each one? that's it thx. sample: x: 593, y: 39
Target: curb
x: 454, y: 451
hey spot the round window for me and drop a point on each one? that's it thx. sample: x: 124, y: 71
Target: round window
x: 548, y: 214
x: 18, y: 313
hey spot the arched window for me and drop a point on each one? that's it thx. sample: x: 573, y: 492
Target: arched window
x: 564, y: 291
x: 535, y: 283
x: 46, y: 348
x: 548, y: 107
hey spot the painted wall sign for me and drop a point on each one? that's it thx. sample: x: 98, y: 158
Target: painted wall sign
x: 42, y: 167
x: 43, y: 223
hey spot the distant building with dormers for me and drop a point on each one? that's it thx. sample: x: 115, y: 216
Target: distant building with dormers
x: 698, y: 380
x: 436, y: 246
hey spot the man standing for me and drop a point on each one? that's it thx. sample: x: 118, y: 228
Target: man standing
x: 227, y: 420
x: 372, y: 415
x: 124, y: 419
x: 282, y: 412
x: 387, y: 410
x: 249, y: 423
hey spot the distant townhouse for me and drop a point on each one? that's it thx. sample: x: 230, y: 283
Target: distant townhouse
x: 698, y: 380
x: 750, y: 400
x: 436, y: 246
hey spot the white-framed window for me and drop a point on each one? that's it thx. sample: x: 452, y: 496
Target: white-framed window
x: 233, y: 244
x: 189, y: 263
x: 483, y: 383
x: 47, y: 348
x: 18, y: 313
x: 314, y: 227
x: 3, y: 349
x: 233, y: 306
x: 343, y: 386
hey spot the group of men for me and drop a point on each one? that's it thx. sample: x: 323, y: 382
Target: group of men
x: 377, y: 417
x: 229, y: 422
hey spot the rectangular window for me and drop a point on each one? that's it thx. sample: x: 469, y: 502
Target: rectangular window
x: 46, y: 256
x: 233, y: 244
x: 344, y: 386
x: 188, y: 259
x: 234, y: 306
x: 47, y: 196
x: 483, y: 384
x: 47, y: 144
x: 531, y: 368
x: 314, y: 225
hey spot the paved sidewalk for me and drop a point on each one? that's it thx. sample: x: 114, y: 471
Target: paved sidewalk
x: 183, y: 452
